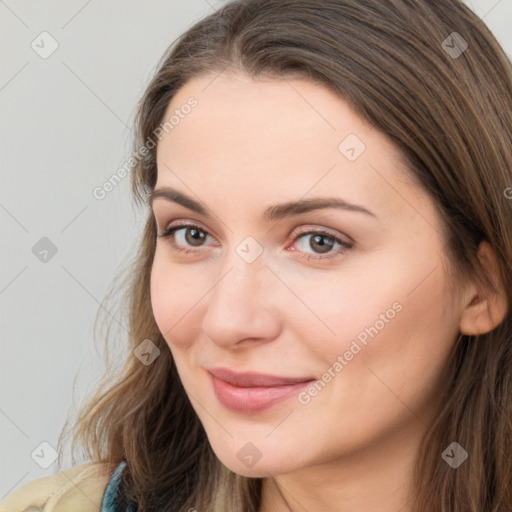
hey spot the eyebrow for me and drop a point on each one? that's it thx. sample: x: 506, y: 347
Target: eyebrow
x: 276, y: 212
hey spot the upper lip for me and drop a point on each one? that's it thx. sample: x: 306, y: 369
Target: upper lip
x: 253, y: 379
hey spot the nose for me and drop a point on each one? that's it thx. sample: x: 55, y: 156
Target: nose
x: 243, y: 306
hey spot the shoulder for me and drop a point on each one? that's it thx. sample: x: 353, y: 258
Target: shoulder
x: 78, y: 489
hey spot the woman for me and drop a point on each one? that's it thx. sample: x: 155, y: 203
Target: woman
x: 320, y: 308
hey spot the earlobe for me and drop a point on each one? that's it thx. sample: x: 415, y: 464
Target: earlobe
x: 486, y: 308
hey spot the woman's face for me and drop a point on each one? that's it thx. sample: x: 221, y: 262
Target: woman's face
x: 353, y: 301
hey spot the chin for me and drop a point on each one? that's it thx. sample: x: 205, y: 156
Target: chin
x: 240, y: 462
x: 259, y: 470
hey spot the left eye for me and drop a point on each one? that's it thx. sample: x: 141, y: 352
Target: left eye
x: 194, y: 236
x: 323, y: 242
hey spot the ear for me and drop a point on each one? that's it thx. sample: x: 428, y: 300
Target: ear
x: 484, y: 308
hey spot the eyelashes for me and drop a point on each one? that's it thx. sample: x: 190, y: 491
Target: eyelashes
x: 302, y: 234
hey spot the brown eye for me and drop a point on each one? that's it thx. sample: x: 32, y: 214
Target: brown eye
x: 320, y: 242
x: 194, y: 236
x: 191, y: 236
x: 185, y: 237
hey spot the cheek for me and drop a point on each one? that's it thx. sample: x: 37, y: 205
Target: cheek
x: 172, y: 300
x: 395, y: 349
x: 160, y: 299
x: 397, y: 369
x: 344, y: 307
x: 396, y: 321
x: 419, y: 341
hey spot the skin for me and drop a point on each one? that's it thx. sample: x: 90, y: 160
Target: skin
x: 250, y: 144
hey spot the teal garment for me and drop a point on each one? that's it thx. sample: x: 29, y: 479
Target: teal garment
x: 110, y: 501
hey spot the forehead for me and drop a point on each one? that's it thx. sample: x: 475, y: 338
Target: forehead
x: 276, y: 139
x: 264, y: 113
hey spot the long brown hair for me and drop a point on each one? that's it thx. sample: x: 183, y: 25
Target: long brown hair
x: 400, y: 65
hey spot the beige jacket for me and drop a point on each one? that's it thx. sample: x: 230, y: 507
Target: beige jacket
x: 79, y: 489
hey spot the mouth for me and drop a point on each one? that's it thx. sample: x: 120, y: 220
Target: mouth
x: 253, y: 392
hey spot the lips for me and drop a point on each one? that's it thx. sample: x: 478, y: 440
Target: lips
x: 252, y: 379
x: 251, y: 392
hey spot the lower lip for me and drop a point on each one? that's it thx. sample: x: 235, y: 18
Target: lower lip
x: 253, y: 399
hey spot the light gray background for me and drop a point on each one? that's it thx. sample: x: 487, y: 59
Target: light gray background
x: 66, y: 128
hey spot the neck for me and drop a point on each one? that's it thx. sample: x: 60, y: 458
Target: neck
x: 377, y: 477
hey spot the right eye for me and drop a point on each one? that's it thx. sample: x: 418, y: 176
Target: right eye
x: 191, y: 234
